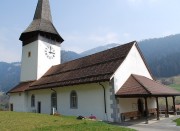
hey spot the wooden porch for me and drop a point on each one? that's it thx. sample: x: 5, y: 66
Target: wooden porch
x: 141, y: 87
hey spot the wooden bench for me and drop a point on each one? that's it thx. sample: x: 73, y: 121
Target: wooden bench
x: 131, y: 115
x: 153, y: 111
x: 136, y: 114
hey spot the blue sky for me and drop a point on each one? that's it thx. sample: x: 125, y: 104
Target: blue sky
x: 85, y: 24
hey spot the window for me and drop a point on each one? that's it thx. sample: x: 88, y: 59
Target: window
x: 29, y: 54
x: 73, y: 100
x: 32, y: 101
x: 54, y: 100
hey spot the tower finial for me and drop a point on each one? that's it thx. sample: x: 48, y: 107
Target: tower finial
x: 43, y: 10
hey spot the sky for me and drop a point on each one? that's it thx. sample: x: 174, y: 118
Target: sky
x: 86, y: 24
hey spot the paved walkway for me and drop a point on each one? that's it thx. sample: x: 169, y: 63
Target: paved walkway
x: 164, y: 124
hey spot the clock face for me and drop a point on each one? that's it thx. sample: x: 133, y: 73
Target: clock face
x: 50, y: 52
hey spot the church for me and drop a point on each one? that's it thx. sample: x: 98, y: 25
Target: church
x: 112, y: 85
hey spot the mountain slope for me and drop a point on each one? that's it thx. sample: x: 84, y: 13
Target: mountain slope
x: 10, y: 75
x: 162, y: 55
x: 68, y: 56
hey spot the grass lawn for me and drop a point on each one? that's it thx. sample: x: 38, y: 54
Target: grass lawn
x: 177, y: 121
x: 175, y: 86
x: 13, y: 121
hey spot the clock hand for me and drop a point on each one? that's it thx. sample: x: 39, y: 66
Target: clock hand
x: 50, y: 48
x: 51, y: 52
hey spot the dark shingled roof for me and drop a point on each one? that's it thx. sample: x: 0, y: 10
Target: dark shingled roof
x: 21, y: 87
x: 98, y: 67
x: 94, y: 68
x: 137, y: 85
x: 41, y: 24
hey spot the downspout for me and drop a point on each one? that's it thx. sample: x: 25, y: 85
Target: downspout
x: 54, y: 90
x: 105, y: 109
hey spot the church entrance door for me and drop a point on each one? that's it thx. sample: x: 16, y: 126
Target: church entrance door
x: 39, y: 107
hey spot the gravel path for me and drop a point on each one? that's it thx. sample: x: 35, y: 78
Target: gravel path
x: 164, y: 124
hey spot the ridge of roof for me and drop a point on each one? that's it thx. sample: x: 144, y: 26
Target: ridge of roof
x: 133, y: 43
x: 134, y: 76
x: 92, y: 64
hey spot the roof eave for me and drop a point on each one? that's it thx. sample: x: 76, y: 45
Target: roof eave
x: 28, y: 35
x: 60, y: 86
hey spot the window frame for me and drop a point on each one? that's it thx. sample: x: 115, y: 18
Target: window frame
x: 32, y: 100
x: 73, y: 100
x: 54, y: 97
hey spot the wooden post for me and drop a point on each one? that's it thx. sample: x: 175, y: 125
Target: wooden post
x: 146, y: 110
x: 174, y: 105
x: 157, y: 103
x: 167, y: 110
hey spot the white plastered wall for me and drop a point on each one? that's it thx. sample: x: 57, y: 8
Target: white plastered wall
x: 29, y: 64
x: 45, y: 63
x: 19, y: 101
x: 43, y: 96
x: 90, y: 100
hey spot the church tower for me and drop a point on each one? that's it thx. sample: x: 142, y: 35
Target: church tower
x: 41, y: 44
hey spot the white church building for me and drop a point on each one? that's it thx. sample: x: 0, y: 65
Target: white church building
x: 112, y: 85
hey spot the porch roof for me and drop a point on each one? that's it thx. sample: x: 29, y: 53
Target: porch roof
x: 137, y: 86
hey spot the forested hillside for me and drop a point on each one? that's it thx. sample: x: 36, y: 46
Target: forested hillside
x: 162, y: 55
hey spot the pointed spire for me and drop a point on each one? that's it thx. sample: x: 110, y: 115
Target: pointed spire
x: 43, y: 10
x: 41, y: 25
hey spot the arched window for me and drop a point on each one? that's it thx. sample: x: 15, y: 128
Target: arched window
x: 33, y: 101
x: 54, y: 100
x: 73, y: 100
